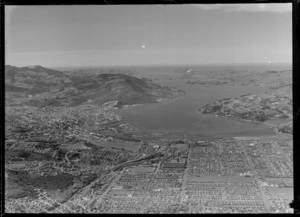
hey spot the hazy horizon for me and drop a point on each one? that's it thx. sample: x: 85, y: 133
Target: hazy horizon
x: 148, y: 35
x: 162, y: 66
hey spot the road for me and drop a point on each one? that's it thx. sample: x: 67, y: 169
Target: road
x: 107, y: 172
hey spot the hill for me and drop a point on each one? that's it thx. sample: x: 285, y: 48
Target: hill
x: 39, y: 86
x: 251, y: 107
x: 274, y: 104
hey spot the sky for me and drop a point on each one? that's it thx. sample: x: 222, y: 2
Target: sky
x: 145, y: 35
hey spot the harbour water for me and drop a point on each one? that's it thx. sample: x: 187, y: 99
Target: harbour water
x: 181, y: 115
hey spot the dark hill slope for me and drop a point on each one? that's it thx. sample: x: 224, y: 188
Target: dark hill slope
x: 33, y: 80
x: 40, y: 86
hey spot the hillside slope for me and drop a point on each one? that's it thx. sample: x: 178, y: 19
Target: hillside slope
x: 39, y: 86
x: 275, y: 104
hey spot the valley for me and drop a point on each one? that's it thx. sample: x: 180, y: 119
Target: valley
x: 124, y: 141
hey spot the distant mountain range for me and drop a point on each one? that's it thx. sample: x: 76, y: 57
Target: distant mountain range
x: 39, y: 86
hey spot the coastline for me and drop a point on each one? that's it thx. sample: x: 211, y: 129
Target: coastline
x: 273, y: 127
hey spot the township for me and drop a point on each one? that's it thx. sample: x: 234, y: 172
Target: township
x: 237, y: 175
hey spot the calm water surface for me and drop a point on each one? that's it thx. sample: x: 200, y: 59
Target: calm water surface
x: 181, y: 115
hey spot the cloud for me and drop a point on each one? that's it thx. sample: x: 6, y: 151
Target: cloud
x: 275, y: 8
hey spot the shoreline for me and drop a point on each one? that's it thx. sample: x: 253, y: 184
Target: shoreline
x: 273, y: 127
x: 141, y: 104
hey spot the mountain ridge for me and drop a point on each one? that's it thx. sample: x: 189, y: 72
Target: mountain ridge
x: 39, y: 86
